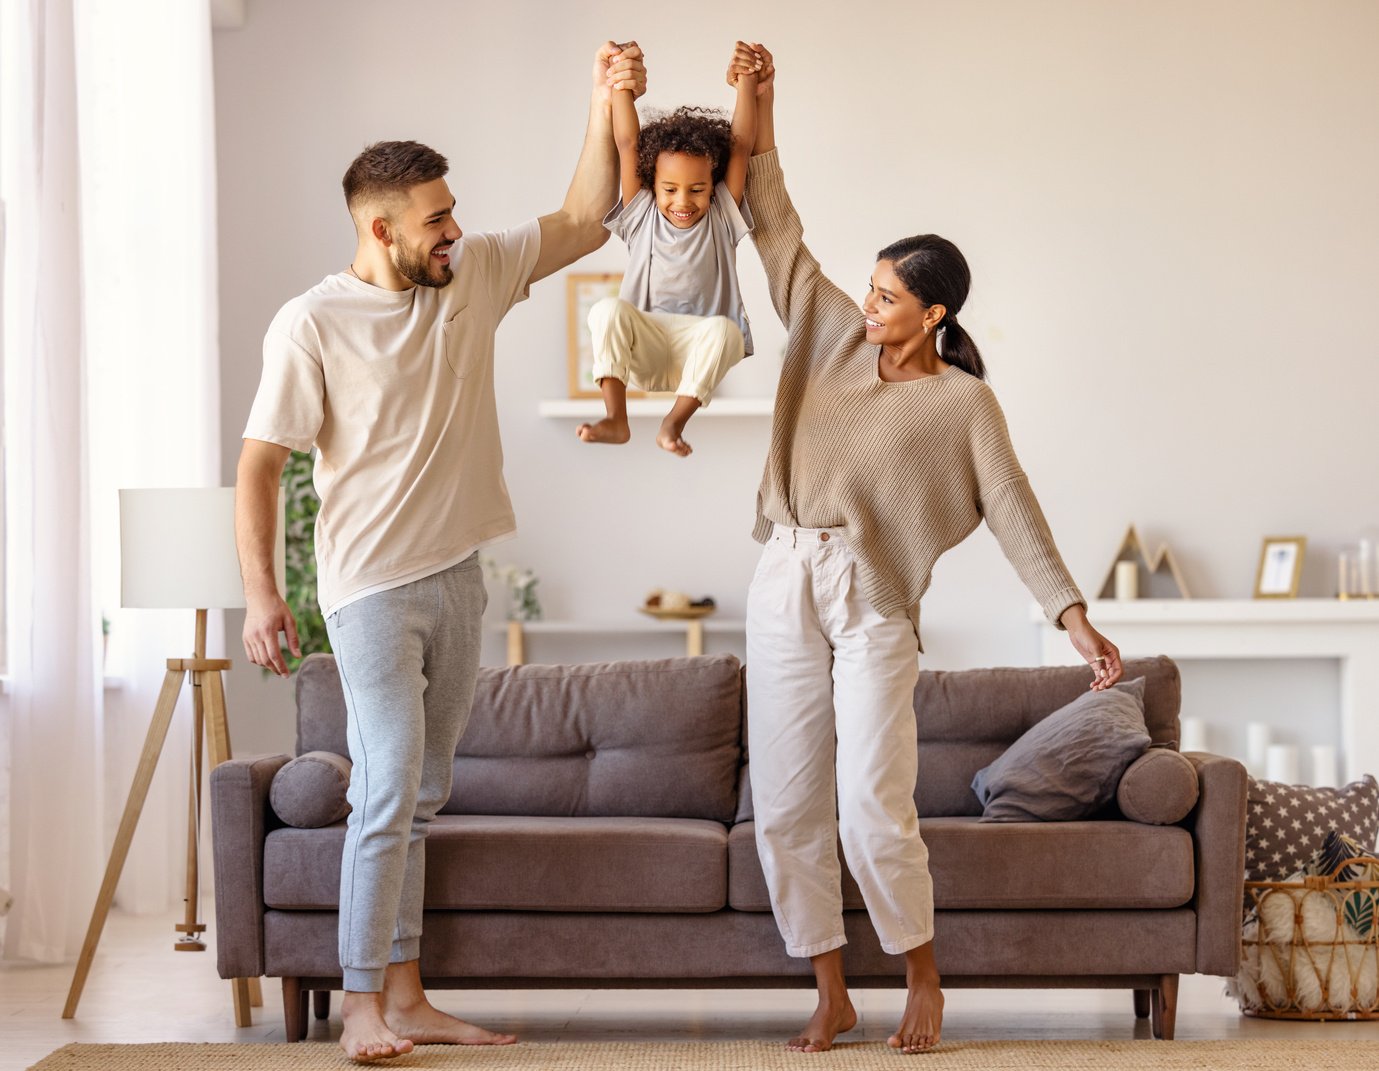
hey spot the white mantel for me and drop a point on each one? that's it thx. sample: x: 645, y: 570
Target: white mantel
x: 1253, y: 628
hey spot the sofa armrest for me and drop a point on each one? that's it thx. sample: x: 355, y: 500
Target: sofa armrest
x: 1217, y: 824
x: 241, y: 820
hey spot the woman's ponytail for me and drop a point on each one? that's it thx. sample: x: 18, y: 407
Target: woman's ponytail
x: 956, y: 347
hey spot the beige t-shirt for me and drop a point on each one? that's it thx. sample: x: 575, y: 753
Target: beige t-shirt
x: 395, y: 390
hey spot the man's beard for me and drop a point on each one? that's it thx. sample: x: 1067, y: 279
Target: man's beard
x: 414, y: 265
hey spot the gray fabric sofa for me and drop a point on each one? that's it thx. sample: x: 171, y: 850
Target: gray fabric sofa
x: 600, y: 835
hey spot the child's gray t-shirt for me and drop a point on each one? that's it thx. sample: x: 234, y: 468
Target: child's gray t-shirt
x: 690, y: 271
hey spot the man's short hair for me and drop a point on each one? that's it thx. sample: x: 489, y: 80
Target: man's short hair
x: 388, y: 169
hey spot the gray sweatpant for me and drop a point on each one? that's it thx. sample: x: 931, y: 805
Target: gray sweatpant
x: 408, y: 660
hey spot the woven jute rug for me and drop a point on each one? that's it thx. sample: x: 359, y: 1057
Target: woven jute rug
x: 742, y: 1056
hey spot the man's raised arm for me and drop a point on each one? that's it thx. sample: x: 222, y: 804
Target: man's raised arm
x: 576, y: 229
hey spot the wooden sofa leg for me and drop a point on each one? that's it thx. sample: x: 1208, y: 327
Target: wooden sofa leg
x: 1143, y: 999
x: 321, y: 1003
x: 1165, y: 1007
x: 294, y: 1009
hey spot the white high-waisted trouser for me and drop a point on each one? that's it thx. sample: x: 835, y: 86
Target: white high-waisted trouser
x: 832, y: 747
x: 662, y: 351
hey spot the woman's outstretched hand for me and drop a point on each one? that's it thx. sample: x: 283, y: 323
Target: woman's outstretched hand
x: 752, y: 59
x: 1099, y: 652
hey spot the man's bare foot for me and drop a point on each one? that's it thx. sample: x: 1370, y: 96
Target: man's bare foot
x: 829, y: 1021
x: 366, y: 1037
x: 923, y: 1019
x: 607, y: 430
x: 424, y: 1024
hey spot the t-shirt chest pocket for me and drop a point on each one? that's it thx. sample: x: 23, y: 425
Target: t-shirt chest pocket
x: 461, y: 351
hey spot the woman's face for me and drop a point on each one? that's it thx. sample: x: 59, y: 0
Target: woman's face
x: 894, y: 315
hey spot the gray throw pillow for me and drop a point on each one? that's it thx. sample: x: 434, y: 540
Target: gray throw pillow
x: 1068, y: 765
x: 310, y: 790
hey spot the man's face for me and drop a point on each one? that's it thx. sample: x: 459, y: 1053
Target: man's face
x: 424, y: 233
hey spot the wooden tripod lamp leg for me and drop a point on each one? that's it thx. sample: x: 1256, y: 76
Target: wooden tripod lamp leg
x: 134, y: 805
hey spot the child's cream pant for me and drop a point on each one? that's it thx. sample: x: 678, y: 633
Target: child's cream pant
x: 662, y: 351
x: 832, y: 747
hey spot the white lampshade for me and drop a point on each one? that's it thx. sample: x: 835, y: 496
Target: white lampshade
x: 177, y: 548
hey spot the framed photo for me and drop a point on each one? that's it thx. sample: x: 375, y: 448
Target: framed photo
x: 581, y: 291
x: 1280, y: 567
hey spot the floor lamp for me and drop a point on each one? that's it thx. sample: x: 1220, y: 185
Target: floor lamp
x: 177, y: 551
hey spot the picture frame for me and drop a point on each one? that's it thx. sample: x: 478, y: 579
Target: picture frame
x: 1280, y: 567
x: 582, y: 290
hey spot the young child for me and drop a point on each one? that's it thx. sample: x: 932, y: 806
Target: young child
x: 678, y: 322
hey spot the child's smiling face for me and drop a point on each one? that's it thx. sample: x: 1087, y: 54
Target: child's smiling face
x: 684, y: 187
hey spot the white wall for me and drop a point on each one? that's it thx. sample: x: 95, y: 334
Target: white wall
x: 1169, y: 210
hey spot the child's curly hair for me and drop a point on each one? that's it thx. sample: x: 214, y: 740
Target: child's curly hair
x: 689, y: 130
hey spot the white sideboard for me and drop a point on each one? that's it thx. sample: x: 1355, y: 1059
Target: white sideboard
x: 1347, y: 632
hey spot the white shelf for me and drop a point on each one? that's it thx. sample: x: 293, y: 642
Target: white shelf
x: 1228, y: 611
x: 583, y: 408
x: 628, y: 627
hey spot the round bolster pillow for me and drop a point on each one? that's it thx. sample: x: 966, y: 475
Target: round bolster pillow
x: 1159, y: 788
x: 310, y: 790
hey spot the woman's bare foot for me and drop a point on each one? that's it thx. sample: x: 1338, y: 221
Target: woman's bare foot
x: 923, y: 1018
x: 424, y: 1024
x: 830, y: 1019
x: 608, y: 430
x: 366, y: 1036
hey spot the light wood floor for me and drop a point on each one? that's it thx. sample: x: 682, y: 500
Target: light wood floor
x: 140, y: 990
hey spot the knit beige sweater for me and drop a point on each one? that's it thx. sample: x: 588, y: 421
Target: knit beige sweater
x: 907, y: 469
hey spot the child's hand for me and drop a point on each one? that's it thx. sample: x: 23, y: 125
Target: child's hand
x: 619, y: 67
x: 751, y: 59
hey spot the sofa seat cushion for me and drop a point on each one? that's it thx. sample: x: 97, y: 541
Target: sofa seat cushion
x: 1018, y: 865
x: 503, y: 863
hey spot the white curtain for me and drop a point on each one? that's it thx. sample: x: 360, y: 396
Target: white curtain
x: 130, y: 107
x: 148, y: 191
x: 54, y: 693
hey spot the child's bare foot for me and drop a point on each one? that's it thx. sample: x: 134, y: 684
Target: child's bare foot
x: 671, y: 435
x: 923, y: 1018
x: 828, y: 1022
x: 366, y: 1036
x: 425, y: 1024
x: 669, y: 439
x: 608, y: 430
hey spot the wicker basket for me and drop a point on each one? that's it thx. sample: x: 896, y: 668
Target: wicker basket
x: 1302, y: 953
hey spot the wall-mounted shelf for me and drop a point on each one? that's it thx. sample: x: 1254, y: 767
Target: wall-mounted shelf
x: 585, y: 408
x: 694, y: 631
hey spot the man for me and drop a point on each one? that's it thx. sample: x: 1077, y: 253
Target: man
x: 387, y: 369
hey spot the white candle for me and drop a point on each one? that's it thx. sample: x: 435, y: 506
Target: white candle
x: 1325, y: 769
x: 1127, y: 580
x: 1192, y: 734
x: 1257, y: 737
x: 1282, y: 763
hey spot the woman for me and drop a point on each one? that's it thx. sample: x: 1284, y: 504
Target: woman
x: 887, y: 449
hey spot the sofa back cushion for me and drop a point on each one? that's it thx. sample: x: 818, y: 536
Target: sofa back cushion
x: 656, y: 739
x: 968, y: 718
